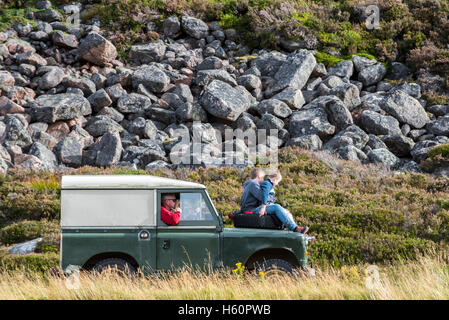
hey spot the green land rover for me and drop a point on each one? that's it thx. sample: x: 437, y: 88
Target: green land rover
x: 115, y: 221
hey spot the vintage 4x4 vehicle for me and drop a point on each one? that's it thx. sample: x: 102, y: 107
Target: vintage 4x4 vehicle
x: 115, y: 221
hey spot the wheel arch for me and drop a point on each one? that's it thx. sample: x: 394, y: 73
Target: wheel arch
x: 271, y: 253
x: 89, y: 264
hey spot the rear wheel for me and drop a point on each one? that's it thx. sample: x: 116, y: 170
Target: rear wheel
x: 116, y: 265
x: 275, y: 268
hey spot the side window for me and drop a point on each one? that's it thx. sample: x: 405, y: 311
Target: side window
x: 194, y: 208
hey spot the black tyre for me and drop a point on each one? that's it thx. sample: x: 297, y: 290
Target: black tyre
x: 117, y: 265
x: 273, y: 268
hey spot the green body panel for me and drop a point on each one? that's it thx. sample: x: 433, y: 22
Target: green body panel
x: 239, y: 244
x: 80, y: 245
x: 171, y: 248
x: 184, y: 247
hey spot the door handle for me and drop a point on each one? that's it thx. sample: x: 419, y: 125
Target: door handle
x: 166, y: 245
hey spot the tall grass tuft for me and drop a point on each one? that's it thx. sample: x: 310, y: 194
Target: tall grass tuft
x: 424, y: 278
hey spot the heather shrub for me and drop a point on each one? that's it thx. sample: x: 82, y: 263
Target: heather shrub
x: 359, y: 213
x: 27, y: 230
x: 23, y: 201
x: 34, y: 262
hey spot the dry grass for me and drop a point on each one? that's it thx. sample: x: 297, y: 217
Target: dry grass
x: 426, y: 278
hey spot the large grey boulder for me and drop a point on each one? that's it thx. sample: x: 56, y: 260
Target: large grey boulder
x: 375, y: 142
x: 376, y: 123
x: 338, y: 114
x: 162, y: 115
x: 249, y: 81
x: 99, y: 100
x: 48, y: 15
x: 45, y: 138
x: 143, y: 155
x: 171, y: 27
x: 44, y: 154
x: 15, y: 133
x: 63, y: 106
x: 224, y: 101
x: 69, y: 152
x: 153, y: 78
x: 410, y: 88
x: 194, y: 27
x: 210, y: 63
x: 82, y: 136
x: 372, y: 74
x: 52, y: 78
x: 97, y: 49
x: 439, y: 110
x: 399, y: 71
x: 62, y: 39
x: 348, y: 93
x: 332, y: 82
x: 411, y: 166
x: 142, y: 127
x: 109, y: 149
x: 343, y: 69
x: 6, y: 78
x: 191, y: 112
x: 384, y: 157
x: 292, y: 97
x: 82, y: 83
x: 275, y: 107
x: 294, y: 72
x: 398, y: 144
x: 31, y: 58
x: 310, y: 121
x: 440, y: 127
x: 158, y: 164
x: 269, y: 121
x: 24, y: 247
x: 352, y: 135
x: 309, y: 142
x: 268, y: 63
x: 405, y: 108
x: 350, y: 152
x: 361, y: 63
x: 133, y: 103
x: 147, y: 52
x: 204, y: 77
x: 100, y: 125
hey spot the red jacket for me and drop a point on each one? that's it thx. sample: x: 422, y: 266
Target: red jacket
x: 170, y: 218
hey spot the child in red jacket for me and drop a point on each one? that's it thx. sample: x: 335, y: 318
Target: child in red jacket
x: 170, y: 211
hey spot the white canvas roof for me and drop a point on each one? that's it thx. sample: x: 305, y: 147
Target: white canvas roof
x: 124, y: 182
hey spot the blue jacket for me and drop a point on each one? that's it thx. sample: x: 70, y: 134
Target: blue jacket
x: 252, y: 195
x: 267, y: 189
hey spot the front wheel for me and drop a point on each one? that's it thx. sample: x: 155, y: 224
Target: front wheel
x: 273, y: 268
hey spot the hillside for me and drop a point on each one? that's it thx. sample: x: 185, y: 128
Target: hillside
x: 359, y: 114
x: 359, y: 213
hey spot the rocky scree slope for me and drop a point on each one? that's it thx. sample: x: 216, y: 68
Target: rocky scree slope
x: 68, y: 100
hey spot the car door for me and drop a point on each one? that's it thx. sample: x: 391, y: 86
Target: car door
x: 195, y: 241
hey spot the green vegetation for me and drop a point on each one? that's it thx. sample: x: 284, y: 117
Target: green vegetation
x: 441, y: 150
x: 413, y: 31
x: 37, y: 263
x: 359, y: 213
